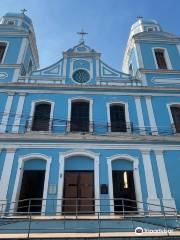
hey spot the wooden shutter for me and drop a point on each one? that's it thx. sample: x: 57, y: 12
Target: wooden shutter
x: 118, y: 120
x: 2, y: 50
x: 160, y: 59
x: 176, y: 117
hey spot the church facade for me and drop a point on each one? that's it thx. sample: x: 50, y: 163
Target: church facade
x: 80, y: 136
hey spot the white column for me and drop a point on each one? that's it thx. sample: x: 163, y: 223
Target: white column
x: 6, y: 112
x: 5, y: 177
x: 168, y: 201
x: 150, y: 183
x: 97, y: 186
x: 151, y: 116
x: 18, y: 115
x: 140, y: 115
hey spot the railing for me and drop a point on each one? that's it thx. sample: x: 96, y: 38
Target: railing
x: 58, y: 126
x: 133, y: 213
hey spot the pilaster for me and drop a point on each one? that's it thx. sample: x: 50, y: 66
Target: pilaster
x: 19, y: 111
x: 168, y: 201
x: 6, y: 112
x: 150, y: 183
x: 152, y: 120
x: 140, y: 115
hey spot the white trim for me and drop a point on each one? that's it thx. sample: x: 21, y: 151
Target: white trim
x: 127, y: 117
x: 80, y: 98
x: 33, y: 105
x: 140, y: 115
x: 139, y: 55
x: 5, y: 52
x: 5, y: 176
x: 168, y: 201
x: 150, y: 183
x: 19, y: 175
x: 97, y: 67
x: 151, y: 116
x: 22, y: 51
x: 64, y: 66
x: 62, y: 157
x: 18, y: 115
x: 136, y: 175
x: 166, y: 56
x: 6, y: 112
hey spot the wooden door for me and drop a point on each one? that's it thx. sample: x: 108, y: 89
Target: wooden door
x: 78, y: 192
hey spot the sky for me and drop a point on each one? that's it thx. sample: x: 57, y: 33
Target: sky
x: 108, y: 22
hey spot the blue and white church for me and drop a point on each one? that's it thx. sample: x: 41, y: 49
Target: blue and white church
x: 80, y: 137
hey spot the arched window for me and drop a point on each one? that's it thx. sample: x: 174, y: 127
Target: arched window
x: 131, y: 69
x: 175, y: 111
x: 117, y: 118
x: 160, y: 58
x: 79, y: 116
x: 41, y: 119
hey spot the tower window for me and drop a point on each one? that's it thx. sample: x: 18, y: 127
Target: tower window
x: 2, y: 50
x: 41, y: 120
x: 118, y: 120
x: 175, y: 110
x: 30, y: 66
x: 160, y: 58
x: 131, y: 69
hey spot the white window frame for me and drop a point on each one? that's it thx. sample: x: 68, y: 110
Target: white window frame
x: 19, y: 175
x: 79, y: 99
x: 169, y: 105
x: 127, y: 118
x: 5, y: 52
x: 33, y: 105
x: 166, y: 56
x: 136, y: 176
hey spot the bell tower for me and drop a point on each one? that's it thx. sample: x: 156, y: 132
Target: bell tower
x: 18, y: 50
x: 151, y: 51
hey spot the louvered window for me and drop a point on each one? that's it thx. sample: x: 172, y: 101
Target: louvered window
x: 118, y: 120
x: 160, y: 59
x: 79, y: 117
x: 41, y: 120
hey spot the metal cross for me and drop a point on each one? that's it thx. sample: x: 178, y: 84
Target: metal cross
x: 82, y: 33
x: 23, y: 11
x: 139, y: 17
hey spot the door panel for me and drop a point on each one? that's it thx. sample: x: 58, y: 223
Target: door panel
x: 79, y: 186
x: 124, y: 191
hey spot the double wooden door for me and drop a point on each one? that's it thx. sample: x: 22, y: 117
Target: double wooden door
x: 78, y: 192
x: 124, y: 191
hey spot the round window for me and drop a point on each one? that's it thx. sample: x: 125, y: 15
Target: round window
x: 81, y: 76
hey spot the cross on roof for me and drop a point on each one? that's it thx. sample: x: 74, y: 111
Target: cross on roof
x: 82, y: 33
x: 23, y: 11
x: 139, y: 17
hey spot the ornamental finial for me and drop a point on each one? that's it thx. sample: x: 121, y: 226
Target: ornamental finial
x: 82, y: 33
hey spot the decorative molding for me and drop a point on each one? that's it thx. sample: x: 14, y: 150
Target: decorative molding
x: 3, y: 75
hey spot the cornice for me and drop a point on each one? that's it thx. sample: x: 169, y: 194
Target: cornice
x: 159, y: 71
x: 27, y: 87
x: 49, y: 137
x: 10, y: 66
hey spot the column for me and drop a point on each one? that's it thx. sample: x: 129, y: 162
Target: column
x: 168, y: 201
x: 150, y: 183
x: 5, y: 177
x: 152, y: 120
x: 142, y: 130
x: 6, y: 113
x: 19, y: 111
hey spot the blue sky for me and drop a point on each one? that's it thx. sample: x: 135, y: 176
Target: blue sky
x: 107, y: 21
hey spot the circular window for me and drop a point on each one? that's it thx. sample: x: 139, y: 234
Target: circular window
x: 81, y: 76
